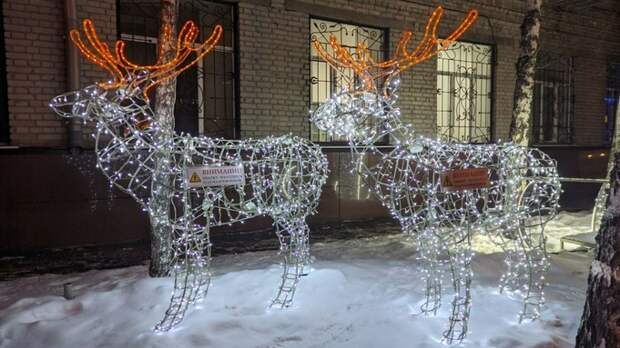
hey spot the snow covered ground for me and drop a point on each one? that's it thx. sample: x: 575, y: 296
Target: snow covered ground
x: 566, y: 223
x: 360, y: 293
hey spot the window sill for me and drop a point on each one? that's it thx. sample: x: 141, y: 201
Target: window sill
x: 8, y: 147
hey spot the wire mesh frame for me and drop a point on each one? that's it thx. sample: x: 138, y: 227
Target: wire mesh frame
x: 553, y: 106
x: 207, y: 95
x: 512, y: 213
x: 611, y: 99
x: 325, y: 81
x: 465, y: 93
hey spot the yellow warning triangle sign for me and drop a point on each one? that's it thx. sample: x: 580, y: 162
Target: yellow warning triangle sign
x: 195, y: 178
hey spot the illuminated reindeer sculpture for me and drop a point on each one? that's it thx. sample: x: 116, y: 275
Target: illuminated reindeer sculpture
x: 206, y: 182
x: 443, y: 192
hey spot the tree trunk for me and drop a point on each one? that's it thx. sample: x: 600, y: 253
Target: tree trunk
x: 603, y: 192
x: 161, y: 187
x: 526, y: 67
x: 166, y: 91
x: 600, y: 322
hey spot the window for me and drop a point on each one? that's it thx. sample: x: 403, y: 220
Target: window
x: 4, y: 107
x: 611, y: 100
x: 325, y: 80
x: 465, y: 93
x: 206, y: 93
x: 553, y: 104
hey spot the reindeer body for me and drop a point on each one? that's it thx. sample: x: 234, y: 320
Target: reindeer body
x: 279, y: 181
x: 521, y: 196
x: 283, y: 176
x: 404, y: 179
x: 283, y: 180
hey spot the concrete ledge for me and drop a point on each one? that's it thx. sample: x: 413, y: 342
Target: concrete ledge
x: 587, y: 240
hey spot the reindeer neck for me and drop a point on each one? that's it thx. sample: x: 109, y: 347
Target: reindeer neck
x: 113, y: 135
x: 394, y: 132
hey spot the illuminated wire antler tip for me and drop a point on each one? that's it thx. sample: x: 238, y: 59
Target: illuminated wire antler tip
x: 125, y: 72
x: 362, y: 63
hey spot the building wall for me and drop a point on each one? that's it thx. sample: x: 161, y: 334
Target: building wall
x: 274, y: 60
x: 274, y: 70
x: 35, y: 33
x: 50, y: 199
x: 588, y: 38
x: 35, y: 70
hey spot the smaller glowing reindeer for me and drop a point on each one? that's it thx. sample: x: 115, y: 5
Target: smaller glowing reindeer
x: 204, y: 182
x: 443, y: 192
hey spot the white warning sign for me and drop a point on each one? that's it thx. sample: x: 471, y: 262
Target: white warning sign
x: 201, y: 176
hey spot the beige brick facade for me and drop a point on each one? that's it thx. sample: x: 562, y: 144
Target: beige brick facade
x: 274, y: 64
x: 35, y: 54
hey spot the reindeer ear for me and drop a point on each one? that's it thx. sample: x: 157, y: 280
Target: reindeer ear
x: 393, y: 83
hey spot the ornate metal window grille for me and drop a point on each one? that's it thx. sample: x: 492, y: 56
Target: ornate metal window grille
x: 465, y: 93
x: 553, y: 105
x: 325, y: 80
x: 206, y: 101
x: 611, y: 99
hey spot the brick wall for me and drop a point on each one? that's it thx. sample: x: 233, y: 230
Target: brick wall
x: 274, y: 68
x: 569, y: 34
x: 35, y: 51
x: 35, y: 70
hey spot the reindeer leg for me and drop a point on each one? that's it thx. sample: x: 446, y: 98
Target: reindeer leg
x: 460, y: 256
x: 192, y: 276
x: 537, y: 264
x: 431, y: 272
x: 526, y: 262
x: 294, y: 246
x: 514, y: 260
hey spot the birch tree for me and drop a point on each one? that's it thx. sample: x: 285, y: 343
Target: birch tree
x: 165, y: 95
x: 600, y: 322
x: 601, y: 197
x: 526, y: 68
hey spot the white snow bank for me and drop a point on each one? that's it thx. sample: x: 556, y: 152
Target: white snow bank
x: 564, y: 224
x: 360, y: 293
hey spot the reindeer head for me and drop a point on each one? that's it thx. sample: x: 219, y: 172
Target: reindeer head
x: 127, y: 93
x: 351, y: 113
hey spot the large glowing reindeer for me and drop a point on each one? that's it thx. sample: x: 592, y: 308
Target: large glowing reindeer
x: 443, y: 192
x: 207, y: 182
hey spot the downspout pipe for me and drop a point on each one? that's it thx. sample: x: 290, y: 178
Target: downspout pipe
x: 74, y: 127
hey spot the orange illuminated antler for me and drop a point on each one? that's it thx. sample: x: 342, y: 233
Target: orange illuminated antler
x: 362, y: 63
x: 128, y: 74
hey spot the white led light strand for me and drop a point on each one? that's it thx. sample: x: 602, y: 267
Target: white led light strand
x: 282, y: 178
x: 515, y: 191
x: 512, y: 210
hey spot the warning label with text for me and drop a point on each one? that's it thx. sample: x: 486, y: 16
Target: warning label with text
x: 465, y: 179
x: 202, y: 176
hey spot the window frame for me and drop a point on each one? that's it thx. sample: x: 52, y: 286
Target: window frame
x: 492, y: 90
x: 386, y: 53
x: 236, y: 119
x: 612, y: 94
x: 538, y: 129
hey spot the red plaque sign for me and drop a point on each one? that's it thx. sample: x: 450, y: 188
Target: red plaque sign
x: 465, y: 179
